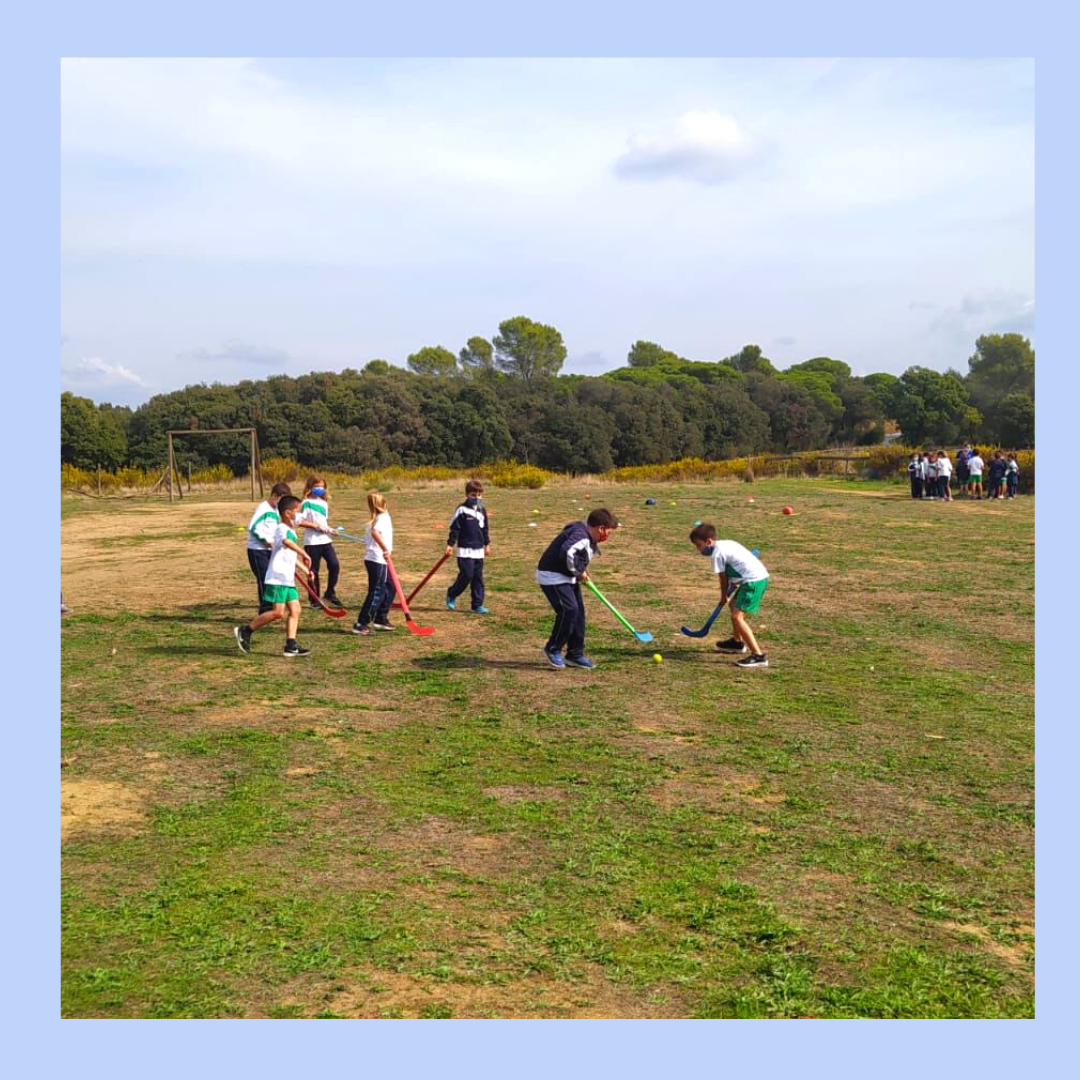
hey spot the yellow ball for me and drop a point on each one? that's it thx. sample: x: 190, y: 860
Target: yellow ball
x: 657, y: 658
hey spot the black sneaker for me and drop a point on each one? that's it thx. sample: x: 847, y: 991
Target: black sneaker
x: 333, y: 601
x: 381, y: 626
x: 243, y: 638
x: 292, y: 649
x: 732, y: 645
x: 754, y: 660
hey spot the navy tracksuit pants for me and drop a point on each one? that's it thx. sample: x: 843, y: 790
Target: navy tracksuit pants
x: 259, y: 561
x: 318, y: 552
x: 569, y: 629
x: 379, y: 595
x: 470, y: 576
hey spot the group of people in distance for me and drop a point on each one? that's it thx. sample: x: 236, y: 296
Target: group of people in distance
x: 274, y: 551
x: 931, y: 475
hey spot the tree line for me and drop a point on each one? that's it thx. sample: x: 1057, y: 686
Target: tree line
x: 506, y: 398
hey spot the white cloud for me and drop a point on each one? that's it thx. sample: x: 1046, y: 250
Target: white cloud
x: 93, y: 371
x: 704, y: 146
x: 242, y: 351
x: 992, y: 311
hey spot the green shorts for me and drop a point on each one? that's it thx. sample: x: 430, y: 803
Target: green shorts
x: 280, y: 594
x: 748, y: 596
x: 975, y: 478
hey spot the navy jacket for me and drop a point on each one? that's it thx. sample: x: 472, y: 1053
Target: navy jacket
x: 567, y: 556
x: 469, y: 526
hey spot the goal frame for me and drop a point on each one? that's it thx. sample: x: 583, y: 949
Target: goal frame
x: 171, y: 466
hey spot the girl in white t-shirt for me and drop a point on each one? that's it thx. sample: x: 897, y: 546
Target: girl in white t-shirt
x: 944, y: 472
x: 319, y: 537
x: 379, y: 537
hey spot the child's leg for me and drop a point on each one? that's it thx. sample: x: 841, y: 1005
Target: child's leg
x: 373, y: 594
x: 276, y: 612
x: 461, y: 582
x: 575, y: 643
x: 381, y: 610
x: 477, y: 583
x: 292, y: 620
x: 743, y: 631
x: 563, y: 602
x: 259, y: 561
x: 314, y: 553
x: 333, y: 569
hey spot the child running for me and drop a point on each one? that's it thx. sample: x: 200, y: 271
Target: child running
x: 562, y: 568
x: 733, y: 562
x: 319, y: 538
x: 469, y: 534
x: 260, y: 538
x: 279, y: 590
x: 379, y: 537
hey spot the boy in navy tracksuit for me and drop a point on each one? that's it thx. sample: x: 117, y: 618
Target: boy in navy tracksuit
x: 469, y: 534
x: 559, y: 574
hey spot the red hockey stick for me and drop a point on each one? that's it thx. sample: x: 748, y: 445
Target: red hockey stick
x: 422, y: 631
x: 430, y: 574
x: 333, y: 612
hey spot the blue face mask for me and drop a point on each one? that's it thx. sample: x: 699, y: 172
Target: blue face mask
x: 707, y: 551
x: 318, y: 492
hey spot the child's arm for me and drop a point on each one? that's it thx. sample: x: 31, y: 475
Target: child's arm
x: 379, y: 540
x: 298, y: 549
x: 452, y: 535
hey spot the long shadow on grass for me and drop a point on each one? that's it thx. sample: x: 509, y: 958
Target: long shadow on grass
x: 474, y: 663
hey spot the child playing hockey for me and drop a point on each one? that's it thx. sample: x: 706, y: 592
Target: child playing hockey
x: 469, y: 534
x: 279, y: 589
x: 319, y: 538
x: 379, y: 537
x: 562, y: 568
x: 260, y: 538
x: 731, y: 561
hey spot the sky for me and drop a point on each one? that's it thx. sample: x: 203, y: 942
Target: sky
x: 232, y: 219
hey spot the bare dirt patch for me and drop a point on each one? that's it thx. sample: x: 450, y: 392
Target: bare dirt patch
x: 591, y: 995
x: 438, y: 842
x: 516, y: 793
x: 97, y: 806
x: 1016, y: 956
x: 714, y: 790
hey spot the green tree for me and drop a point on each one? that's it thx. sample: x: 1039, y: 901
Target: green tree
x: 750, y: 360
x: 432, y: 360
x: 644, y: 354
x: 91, y: 435
x: 885, y: 388
x: 528, y: 349
x: 478, y: 356
x: 1016, y: 421
x: 932, y: 407
x: 1002, y: 366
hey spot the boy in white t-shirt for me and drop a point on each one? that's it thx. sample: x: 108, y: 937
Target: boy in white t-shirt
x: 731, y: 561
x: 260, y: 539
x: 975, y: 471
x: 279, y: 587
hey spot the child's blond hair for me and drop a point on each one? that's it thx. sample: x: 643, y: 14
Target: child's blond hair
x: 376, y: 504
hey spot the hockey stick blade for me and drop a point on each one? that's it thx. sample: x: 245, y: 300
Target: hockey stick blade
x: 333, y: 612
